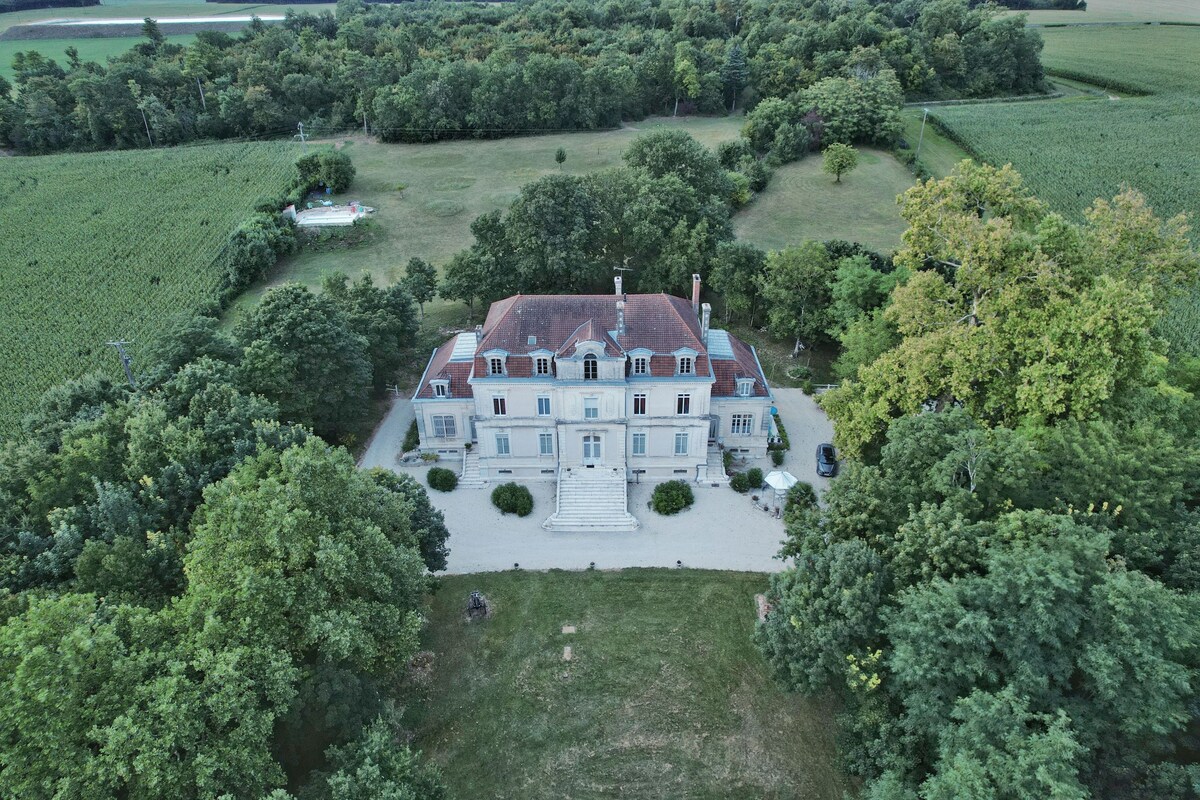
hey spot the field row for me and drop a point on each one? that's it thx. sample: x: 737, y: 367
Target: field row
x: 113, y: 246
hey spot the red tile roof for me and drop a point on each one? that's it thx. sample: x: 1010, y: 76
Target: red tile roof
x: 440, y: 366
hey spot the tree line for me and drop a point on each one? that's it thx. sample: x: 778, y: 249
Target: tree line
x: 418, y: 72
x: 199, y: 596
x: 1003, y: 586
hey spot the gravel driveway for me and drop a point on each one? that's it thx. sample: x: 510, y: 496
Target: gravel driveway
x: 723, y: 530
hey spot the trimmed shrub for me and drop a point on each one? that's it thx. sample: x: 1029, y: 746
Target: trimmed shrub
x: 740, y: 483
x: 412, y: 439
x: 512, y: 498
x: 672, y: 497
x: 777, y: 457
x: 755, y: 478
x: 442, y: 479
x: 782, y: 433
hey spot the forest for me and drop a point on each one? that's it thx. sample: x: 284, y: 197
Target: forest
x: 416, y: 72
x: 1003, y: 586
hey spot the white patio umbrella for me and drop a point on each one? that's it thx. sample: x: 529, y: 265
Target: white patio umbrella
x: 780, y: 481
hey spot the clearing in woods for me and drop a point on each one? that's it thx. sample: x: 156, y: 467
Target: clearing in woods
x: 106, y: 246
x: 664, y: 696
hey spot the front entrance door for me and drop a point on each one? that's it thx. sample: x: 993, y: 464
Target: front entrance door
x: 591, y: 450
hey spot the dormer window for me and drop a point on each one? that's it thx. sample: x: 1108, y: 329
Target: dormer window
x: 441, y: 388
x: 495, y: 365
x: 687, y: 365
x: 541, y: 365
x: 745, y: 387
x: 641, y: 366
x: 591, y: 368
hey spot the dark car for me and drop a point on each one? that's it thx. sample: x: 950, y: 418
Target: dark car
x: 826, y: 461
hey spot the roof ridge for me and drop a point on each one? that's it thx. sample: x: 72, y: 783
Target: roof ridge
x: 686, y: 324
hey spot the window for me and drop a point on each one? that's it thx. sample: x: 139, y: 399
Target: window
x: 681, y: 444
x: 543, y: 406
x: 439, y: 389
x: 591, y: 367
x: 591, y: 407
x: 683, y: 404
x: 541, y: 365
x: 639, y: 444
x: 743, y: 424
x: 546, y: 444
x: 443, y: 427
x: 745, y: 387
x: 641, y: 366
x: 499, y: 406
x: 495, y: 365
x: 686, y: 365
x: 502, y: 444
x: 639, y: 405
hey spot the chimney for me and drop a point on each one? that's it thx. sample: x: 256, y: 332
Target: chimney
x: 478, y: 334
x: 696, y: 293
x: 617, y: 281
x: 705, y: 318
x: 620, y: 314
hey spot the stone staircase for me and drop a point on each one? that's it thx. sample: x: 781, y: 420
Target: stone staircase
x: 716, y: 467
x: 592, y: 500
x: 469, y: 478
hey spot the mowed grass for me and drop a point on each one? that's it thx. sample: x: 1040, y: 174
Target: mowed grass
x: 98, y: 50
x: 665, y: 695
x: 157, y: 9
x: 1076, y: 149
x: 802, y: 202
x: 937, y: 154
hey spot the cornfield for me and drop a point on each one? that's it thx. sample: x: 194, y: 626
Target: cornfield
x: 107, y: 246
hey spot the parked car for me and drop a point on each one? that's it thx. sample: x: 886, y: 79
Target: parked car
x: 827, y: 464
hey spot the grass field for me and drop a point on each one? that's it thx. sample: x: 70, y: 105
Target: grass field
x: 110, y: 9
x: 665, y: 696
x: 1079, y: 148
x: 1122, y: 11
x: 106, y: 246
x: 802, y: 202
x: 97, y: 50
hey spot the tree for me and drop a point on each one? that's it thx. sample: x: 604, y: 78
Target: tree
x: 378, y: 765
x: 687, y: 76
x: 420, y: 278
x: 302, y: 551
x: 795, y: 288
x: 736, y: 275
x: 382, y: 316
x: 337, y: 170
x: 994, y: 312
x: 675, y: 152
x: 427, y: 523
x: 549, y: 232
x: 839, y: 159
x: 299, y: 350
x: 735, y: 74
x: 560, y: 157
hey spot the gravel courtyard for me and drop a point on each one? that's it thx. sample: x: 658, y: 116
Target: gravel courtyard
x: 723, y: 530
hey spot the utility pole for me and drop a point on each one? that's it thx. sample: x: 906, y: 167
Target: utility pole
x: 300, y: 136
x: 365, y: 123
x: 203, y: 102
x: 126, y: 359
x: 921, y: 139
x: 147, y: 124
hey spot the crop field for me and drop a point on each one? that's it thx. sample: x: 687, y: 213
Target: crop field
x: 1076, y: 149
x: 1122, y: 11
x: 110, y: 246
x: 97, y: 50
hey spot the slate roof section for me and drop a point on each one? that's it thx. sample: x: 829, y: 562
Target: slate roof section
x: 524, y: 324
x: 443, y: 364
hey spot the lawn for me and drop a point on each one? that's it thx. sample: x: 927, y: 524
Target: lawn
x: 938, y: 154
x: 447, y: 185
x: 664, y: 697
x: 97, y: 50
x: 802, y: 202
x: 120, y: 9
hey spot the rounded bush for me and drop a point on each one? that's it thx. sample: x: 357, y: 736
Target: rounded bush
x: 777, y: 457
x: 755, y: 478
x: 442, y: 479
x: 672, y: 497
x: 512, y: 498
x: 739, y: 483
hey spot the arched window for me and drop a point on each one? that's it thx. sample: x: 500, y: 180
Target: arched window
x: 590, y: 367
